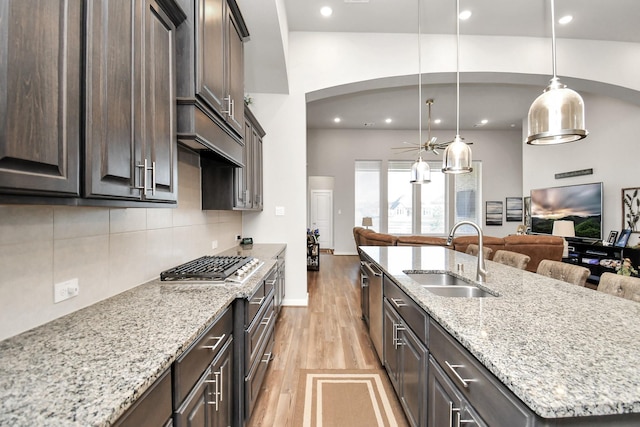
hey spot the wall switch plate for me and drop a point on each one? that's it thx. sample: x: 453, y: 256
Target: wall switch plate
x: 214, y: 244
x: 65, y: 290
x: 279, y: 210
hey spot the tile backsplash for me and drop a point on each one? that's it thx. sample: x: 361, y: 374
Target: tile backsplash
x: 109, y: 250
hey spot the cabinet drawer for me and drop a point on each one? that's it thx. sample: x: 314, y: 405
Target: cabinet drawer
x: 255, y: 334
x: 253, y: 381
x: 488, y: 396
x: 411, y: 313
x: 189, y: 367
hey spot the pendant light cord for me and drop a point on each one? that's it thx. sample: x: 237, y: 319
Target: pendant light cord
x: 553, y: 37
x: 419, y: 86
x: 458, y: 68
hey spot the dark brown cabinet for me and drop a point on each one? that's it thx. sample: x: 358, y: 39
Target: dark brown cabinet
x: 210, y: 56
x: 248, y: 188
x: 153, y: 408
x: 40, y: 64
x: 131, y: 147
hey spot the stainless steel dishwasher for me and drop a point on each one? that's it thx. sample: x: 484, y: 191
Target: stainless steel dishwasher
x: 375, y: 305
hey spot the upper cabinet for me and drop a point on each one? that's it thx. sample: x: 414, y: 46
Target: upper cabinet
x: 130, y: 101
x: 210, y: 55
x: 40, y: 70
x: 248, y: 180
x: 110, y: 119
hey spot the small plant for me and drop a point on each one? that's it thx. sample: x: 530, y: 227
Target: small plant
x: 248, y: 100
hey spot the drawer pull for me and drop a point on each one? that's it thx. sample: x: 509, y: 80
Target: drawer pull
x: 217, y: 390
x: 257, y: 301
x: 464, y: 381
x: 267, y: 358
x: 266, y: 320
x: 218, y: 342
x: 398, y: 302
x: 270, y: 282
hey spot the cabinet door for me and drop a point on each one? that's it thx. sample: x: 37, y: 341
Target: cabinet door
x: 159, y: 101
x: 257, y: 171
x: 240, y: 174
x: 222, y: 372
x: 196, y: 410
x: 390, y: 325
x: 40, y: 97
x: 113, y: 110
x: 210, y: 53
x: 235, y: 69
x: 413, y: 378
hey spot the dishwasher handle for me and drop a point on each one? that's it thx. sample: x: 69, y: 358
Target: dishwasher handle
x: 372, y: 269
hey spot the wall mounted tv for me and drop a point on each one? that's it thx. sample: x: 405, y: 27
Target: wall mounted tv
x: 580, y: 203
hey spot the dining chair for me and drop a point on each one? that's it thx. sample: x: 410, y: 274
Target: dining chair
x: 472, y: 249
x: 622, y: 286
x: 513, y: 259
x: 569, y: 273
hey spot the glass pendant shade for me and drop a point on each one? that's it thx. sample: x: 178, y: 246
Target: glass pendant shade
x: 556, y: 116
x: 420, y: 172
x: 457, y: 157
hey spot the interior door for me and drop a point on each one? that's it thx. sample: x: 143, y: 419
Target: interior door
x: 321, y: 216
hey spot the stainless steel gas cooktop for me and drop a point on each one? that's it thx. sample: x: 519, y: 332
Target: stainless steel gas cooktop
x: 213, y: 268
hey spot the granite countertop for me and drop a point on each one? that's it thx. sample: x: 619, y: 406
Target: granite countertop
x: 88, y: 367
x: 564, y: 350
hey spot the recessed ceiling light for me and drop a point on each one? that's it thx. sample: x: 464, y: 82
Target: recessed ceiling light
x: 437, y: 121
x: 464, y: 15
x: 326, y: 11
x: 337, y: 120
x: 565, y: 19
x: 484, y: 121
x: 388, y: 120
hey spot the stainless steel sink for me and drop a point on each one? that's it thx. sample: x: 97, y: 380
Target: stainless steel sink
x: 448, y: 285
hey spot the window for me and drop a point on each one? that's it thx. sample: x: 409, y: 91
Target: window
x: 434, y: 215
x: 367, y: 189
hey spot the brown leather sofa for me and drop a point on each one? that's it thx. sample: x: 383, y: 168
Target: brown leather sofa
x: 535, y: 246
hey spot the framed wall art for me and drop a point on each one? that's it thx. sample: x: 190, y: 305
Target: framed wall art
x: 631, y: 209
x: 493, y: 213
x: 527, y: 212
x: 514, y: 209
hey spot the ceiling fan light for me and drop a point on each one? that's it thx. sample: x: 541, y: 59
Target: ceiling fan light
x: 556, y: 116
x: 420, y: 172
x: 457, y: 157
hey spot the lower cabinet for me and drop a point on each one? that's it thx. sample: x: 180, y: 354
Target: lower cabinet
x: 446, y: 406
x: 406, y: 362
x: 153, y: 408
x: 203, y: 378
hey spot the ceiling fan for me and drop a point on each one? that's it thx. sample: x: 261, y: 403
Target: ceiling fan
x: 430, y: 144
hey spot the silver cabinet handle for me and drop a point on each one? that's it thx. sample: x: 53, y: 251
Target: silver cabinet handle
x: 153, y: 178
x: 229, y: 106
x: 397, y: 342
x: 266, y: 320
x: 398, y: 302
x: 219, y: 341
x: 464, y: 381
x: 267, y: 358
x: 257, y: 301
x: 144, y: 169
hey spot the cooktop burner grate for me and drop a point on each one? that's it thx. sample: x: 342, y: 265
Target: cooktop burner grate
x: 208, y: 267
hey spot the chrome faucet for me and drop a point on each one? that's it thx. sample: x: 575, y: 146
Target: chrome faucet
x: 481, y: 274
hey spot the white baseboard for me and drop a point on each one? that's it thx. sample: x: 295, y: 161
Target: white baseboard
x: 296, y: 302
x: 345, y: 253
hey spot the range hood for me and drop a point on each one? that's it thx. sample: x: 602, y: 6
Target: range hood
x: 200, y: 129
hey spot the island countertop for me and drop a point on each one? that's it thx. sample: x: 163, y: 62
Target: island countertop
x: 564, y: 350
x: 87, y: 368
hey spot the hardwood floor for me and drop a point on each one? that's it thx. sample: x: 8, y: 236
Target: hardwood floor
x: 328, y: 334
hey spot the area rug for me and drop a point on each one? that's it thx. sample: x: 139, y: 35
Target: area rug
x: 350, y: 398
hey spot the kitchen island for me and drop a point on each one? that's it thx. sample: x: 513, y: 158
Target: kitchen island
x: 89, y: 367
x: 568, y: 353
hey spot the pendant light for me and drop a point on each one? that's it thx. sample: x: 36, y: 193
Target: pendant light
x: 457, y: 156
x: 557, y: 115
x: 420, y: 170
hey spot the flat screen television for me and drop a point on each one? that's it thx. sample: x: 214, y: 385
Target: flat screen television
x: 581, y: 203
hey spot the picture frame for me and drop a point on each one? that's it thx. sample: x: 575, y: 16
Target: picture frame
x: 631, y: 209
x: 493, y: 213
x: 527, y: 212
x: 611, y: 240
x: 623, y: 238
x: 514, y: 209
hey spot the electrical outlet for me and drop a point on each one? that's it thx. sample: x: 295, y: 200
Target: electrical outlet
x: 238, y: 237
x: 65, y: 290
x: 214, y: 244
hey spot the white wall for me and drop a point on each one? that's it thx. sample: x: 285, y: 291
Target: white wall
x: 334, y: 152
x: 611, y: 149
x: 108, y: 250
